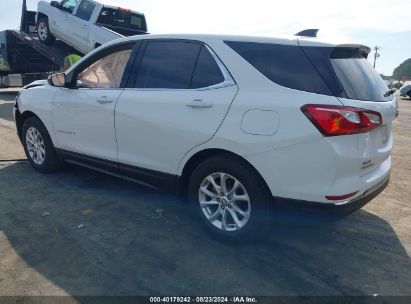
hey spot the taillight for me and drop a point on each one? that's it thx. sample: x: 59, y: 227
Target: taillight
x: 124, y: 10
x: 338, y: 120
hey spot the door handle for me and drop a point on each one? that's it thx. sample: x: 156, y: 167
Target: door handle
x: 104, y: 100
x: 84, y: 26
x: 67, y: 18
x: 199, y: 103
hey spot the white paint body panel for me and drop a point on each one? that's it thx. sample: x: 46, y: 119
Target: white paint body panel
x: 82, y: 124
x: 164, y: 127
x: 156, y: 130
x: 81, y: 34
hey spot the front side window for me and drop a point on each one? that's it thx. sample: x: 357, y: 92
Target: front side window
x: 69, y: 5
x: 85, y: 10
x: 106, y: 72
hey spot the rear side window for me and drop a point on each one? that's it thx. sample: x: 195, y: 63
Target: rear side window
x: 122, y: 18
x: 85, y: 10
x: 168, y: 65
x: 207, y: 72
x: 285, y: 65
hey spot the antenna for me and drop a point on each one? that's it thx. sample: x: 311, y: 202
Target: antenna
x: 308, y: 33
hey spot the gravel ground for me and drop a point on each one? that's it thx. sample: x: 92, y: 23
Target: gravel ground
x: 80, y: 233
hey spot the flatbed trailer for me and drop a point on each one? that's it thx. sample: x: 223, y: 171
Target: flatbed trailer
x: 23, y: 58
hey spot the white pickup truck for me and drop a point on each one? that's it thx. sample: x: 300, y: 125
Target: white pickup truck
x: 86, y: 24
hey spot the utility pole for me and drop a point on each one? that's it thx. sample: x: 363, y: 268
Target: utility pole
x: 376, y: 55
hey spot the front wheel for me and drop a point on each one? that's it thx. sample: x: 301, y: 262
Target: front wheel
x: 38, y: 146
x: 43, y: 32
x: 230, y: 198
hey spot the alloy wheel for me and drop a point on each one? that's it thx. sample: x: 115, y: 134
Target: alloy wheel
x: 35, y: 146
x: 224, y: 202
x: 42, y: 31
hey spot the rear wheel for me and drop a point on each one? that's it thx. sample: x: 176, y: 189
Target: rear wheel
x: 38, y: 146
x: 43, y: 32
x: 230, y: 198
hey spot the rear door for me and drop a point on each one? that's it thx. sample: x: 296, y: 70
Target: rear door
x: 357, y: 84
x: 177, y: 97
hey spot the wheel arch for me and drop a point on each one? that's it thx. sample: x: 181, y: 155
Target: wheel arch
x: 41, y: 16
x: 21, y: 118
x: 202, y: 155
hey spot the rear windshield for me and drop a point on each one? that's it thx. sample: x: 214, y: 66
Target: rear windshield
x: 341, y: 72
x: 122, y: 18
x: 348, y: 68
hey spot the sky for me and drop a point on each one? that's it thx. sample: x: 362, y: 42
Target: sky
x: 385, y: 23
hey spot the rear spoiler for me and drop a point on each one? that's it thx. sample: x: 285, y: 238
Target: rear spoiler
x: 350, y: 51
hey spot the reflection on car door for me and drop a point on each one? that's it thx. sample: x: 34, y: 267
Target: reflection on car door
x: 60, y: 19
x: 83, y: 118
x: 80, y: 26
x: 177, y: 98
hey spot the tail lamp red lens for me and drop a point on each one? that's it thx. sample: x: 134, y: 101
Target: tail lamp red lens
x: 124, y: 10
x: 338, y: 120
x: 340, y: 197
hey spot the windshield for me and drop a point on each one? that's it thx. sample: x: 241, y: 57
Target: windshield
x: 122, y: 18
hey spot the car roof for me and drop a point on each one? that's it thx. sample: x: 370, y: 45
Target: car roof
x: 292, y: 40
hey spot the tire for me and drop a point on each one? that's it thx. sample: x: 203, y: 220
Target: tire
x: 38, y: 146
x: 253, y: 218
x: 43, y: 32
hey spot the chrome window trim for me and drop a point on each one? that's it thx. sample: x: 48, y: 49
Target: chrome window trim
x: 228, y: 79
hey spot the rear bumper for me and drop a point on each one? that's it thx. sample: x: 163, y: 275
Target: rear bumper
x: 290, y: 210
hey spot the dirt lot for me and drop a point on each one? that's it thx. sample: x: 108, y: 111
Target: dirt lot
x: 81, y: 233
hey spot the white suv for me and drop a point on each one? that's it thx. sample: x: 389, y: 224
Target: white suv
x: 239, y: 124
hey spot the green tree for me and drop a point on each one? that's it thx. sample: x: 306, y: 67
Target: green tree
x: 404, y: 69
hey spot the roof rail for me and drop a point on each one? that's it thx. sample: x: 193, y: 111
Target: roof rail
x: 308, y: 33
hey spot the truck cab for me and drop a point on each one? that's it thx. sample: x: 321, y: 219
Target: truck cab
x: 86, y: 24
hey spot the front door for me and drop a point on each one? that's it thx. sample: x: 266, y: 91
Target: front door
x: 83, y: 117
x: 80, y: 24
x: 59, y: 21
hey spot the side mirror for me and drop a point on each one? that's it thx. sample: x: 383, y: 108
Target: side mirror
x: 390, y: 92
x: 56, y: 4
x: 57, y: 80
